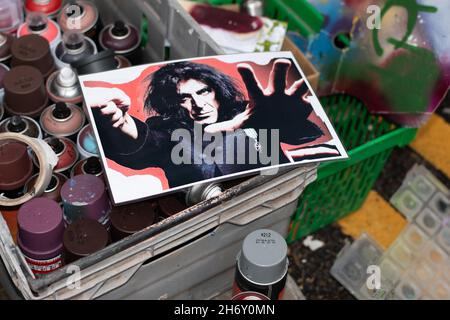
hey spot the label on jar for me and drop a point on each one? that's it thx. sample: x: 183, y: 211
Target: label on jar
x: 44, y: 266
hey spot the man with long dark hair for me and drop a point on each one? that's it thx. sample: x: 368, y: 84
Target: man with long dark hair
x: 184, y: 95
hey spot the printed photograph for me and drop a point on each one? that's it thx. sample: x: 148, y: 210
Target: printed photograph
x: 167, y: 126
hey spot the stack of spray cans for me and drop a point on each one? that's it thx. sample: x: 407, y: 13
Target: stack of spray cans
x: 44, y: 46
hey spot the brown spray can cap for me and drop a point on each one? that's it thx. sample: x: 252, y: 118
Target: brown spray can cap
x: 33, y: 50
x: 16, y: 166
x: 83, y: 238
x: 25, y: 93
x: 129, y: 219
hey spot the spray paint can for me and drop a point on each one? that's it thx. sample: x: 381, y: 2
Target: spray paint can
x: 81, y: 16
x: 86, y: 144
x: 74, y: 46
x: 83, y: 238
x: 6, y: 41
x: 40, y: 235
x: 11, y: 15
x: 250, y: 295
x: 25, y: 93
x: 85, y: 196
x: 50, y: 8
x: 123, y: 39
x: 201, y: 192
x: 65, y: 150
x: 53, y: 190
x: 34, y: 51
x: 38, y: 23
x: 9, y: 214
x: 254, y: 8
x: 262, y: 264
x: 90, y: 165
x: 3, y: 70
x: 170, y: 205
x: 63, y: 86
x: 21, y: 124
x: 62, y: 120
x: 131, y: 218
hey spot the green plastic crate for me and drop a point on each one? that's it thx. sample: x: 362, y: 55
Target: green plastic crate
x: 342, y: 186
x: 300, y: 15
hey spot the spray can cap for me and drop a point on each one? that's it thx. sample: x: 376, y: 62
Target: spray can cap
x: 263, y: 259
x: 37, y: 22
x: 16, y: 124
x: 67, y: 77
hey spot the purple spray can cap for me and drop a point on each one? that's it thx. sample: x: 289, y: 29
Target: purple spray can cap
x: 84, y: 196
x: 41, y: 228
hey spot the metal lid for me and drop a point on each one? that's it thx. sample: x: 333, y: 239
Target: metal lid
x: 263, y: 258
